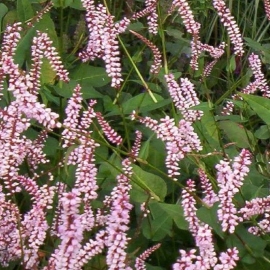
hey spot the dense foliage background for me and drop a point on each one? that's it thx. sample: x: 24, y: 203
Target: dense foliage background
x: 132, y: 125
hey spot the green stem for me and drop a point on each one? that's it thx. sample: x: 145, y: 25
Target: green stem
x: 137, y: 71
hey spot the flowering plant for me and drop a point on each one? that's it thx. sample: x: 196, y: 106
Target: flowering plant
x: 132, y: 136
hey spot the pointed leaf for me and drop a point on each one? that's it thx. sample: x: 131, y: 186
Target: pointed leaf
x: 237, y: 133
x: 3, y: 12
x: 150, y: 183
x: 260, y: 105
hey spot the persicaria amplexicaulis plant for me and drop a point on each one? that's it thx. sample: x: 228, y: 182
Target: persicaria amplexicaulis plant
x: 134, y: 135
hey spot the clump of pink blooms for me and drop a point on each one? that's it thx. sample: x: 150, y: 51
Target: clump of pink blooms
x: 207, y: 258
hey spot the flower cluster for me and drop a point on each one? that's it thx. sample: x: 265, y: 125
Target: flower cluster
x: 230, y: 178
x: 184, y: 97
x: 187, y: 16
x: 258, y: 206
x: 207, y: 258
x: 210, y: 197
x: 260, y: 81
x: 102, y: 40
x: 180, y: 139
x: 155, y: 67
x: 267, y: 8
x: 152, y: 16
x: 229, y: 22
x: 140, y: 261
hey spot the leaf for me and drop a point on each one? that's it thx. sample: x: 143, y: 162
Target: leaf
x: 209, y: 216
x: 51, y: 146
x: 66, y: 90
x: 62, y: 3
x: 149, y: 184
x: 44, y: 25
x: 47, y: 74
x: 175, y: 211
x: 175, y: 33
x: 208, y: 128
x: 136, y: 26
x: 142, y: 102
x: 77, y: 4
x: 262, y: 133
x: 144, y: 151
x: 160, y: 224
x: 24, y: 10
x: 237, y: 133
x: 260, y: 105
x: 93, y: 76
x: 203, y: 106
x: 254, y: 44
x: 3, y: 12
x: 10, y: 18
x: 245, y: 241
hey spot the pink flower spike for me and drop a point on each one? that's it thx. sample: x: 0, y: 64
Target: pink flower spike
x: 229, y: 22
x: 107, y: 129
x: 140, y: 261
x: 230, y: 179
x: 228, y: 260
x: 210, y: 196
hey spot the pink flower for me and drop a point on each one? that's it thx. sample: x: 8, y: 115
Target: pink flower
x: 118, y: 221
x: 179, y: 140
x: 260, y: 81
x: 267, y: 8
x: 184, y: 97
x: 228, y: 260
x: 210, y: 196
x: 229, y: 22
x: 152, y: 17
x: 258, y: 206
x: 230, y: 178
x: 188, y: 204
x: 102, y: 42
x: 107, y: 129
x: 140, y: 261
x: 185, y: 12
x: 155, y: 67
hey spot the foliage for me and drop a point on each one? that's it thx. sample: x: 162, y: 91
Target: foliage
x: 134, y: 134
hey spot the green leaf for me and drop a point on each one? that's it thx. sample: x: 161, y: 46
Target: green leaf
x: 144, y: 151
x: 209, y: 216
x: 51, y: 146
x: 175, y: 211
x: 77, y: 4
x: 159, y: 226
x: 3, y: 12
x: 260, y: 105
x: 237, y: 133
x: 24, y: 10
x: 47, y: 74
x: 208, y: 128
x: 244, y: 241
x: 149, y: 184
x: 66, y: 90
x: 262, y: 133
x: 143, y: 102
x: 203, y: 106
x: 44, y: 25
x: 175, y: 33
x: 10, y: 18
x: 136, y: 26
x: 151, y: 267
x: 93, y: 76
x: 62, y: 3
x: 254, y: 44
